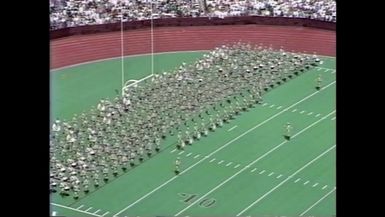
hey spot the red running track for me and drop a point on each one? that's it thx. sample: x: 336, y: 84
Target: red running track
x: 82, y: 48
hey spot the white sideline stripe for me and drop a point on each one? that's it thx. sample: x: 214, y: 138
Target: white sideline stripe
x: 306, y: 182
x: 97, y: 211
x: 188, y: 154
x: 280, y: 175
x: 147, y: 54
x: 105, y: 213
x: 315, y: 184
x: 264, y: 104
x: 225, y: 145
x: 289, y: 177
x: 88, y: 209
x: 119, y: 57
x: 272, y: 106
x: 324, y: 187
x: 294, y: 110
x: 220, y: 162
x: 309, y: 113
x: 279, y: 107
x: 262, y: 156
x: 173, y: 151
x: 324, y: 68
x: 231, y: 128
x: 212, y: 160
x: 80, y: 206
x: 318, y: 115
x: 318, y: 201
x: 197, y: 156
x: 180, y: 152
x: 271, y: 173
x: 303, y: 111
x: 333, y: 118
x: 237, y: 166
x: 262, y: 172
x: 253, y: 169
x: 229, y: 164
x: 78, y: 210
x: 297, y: 180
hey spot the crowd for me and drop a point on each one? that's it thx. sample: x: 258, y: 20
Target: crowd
x: 69, y: 13
x: 188, y: 102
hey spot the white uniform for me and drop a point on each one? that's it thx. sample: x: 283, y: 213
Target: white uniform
x: 56, y: 127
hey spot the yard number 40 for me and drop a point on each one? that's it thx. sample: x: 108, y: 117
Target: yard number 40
x: 190, y: 198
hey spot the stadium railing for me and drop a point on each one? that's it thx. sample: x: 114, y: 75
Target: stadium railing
x: 189, y: 21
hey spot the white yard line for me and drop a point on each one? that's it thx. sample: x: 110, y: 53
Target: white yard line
x: 222, y: 147
x: 105, y: 214
x: 88, y: 209
x: 261, y: 157
x: 67, y: 207
x: 232, y: 128
x: 289, y: 177
x: 307, y: 210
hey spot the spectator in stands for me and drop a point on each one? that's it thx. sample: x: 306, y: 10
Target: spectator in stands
x: 69, y: 13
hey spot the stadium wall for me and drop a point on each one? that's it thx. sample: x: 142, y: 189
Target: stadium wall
x: 76, y: 45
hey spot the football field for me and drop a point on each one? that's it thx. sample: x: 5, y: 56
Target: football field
x: 244, y: 168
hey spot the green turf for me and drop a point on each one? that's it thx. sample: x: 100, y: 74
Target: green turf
x: 76, y: 89
x: 238, y: 148
x: 326, y: 207
x: 60, y: 211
